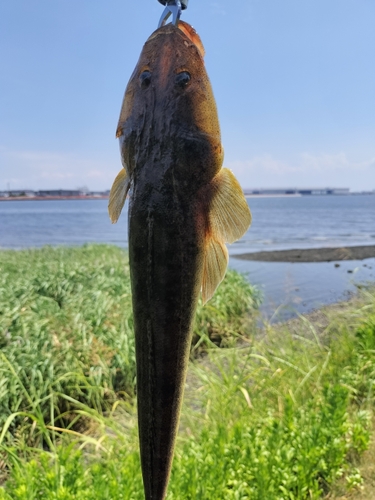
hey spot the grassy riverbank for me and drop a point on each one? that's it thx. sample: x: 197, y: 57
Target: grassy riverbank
x: 284, y: 415
x: 66, y: 331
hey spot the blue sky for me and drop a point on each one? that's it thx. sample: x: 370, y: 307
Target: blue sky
x: 294, y: 82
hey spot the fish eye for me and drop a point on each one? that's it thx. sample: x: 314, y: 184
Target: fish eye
x: 145, y: 79
x: 182, y: 79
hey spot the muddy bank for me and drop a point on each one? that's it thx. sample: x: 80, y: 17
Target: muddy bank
x: 312, y: 254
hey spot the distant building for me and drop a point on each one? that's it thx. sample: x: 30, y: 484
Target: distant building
x: 297, y: 191
x: 54, y: 193
x: 83, y: 189
x: 98, y: 194
x: 323, y: 191
x: 17, y: 193
x: 271, y: 192
x: 59, y: 192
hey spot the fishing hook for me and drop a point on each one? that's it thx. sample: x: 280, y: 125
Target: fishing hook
x: 174, y: 8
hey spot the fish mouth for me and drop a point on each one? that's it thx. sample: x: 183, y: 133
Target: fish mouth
x: 185, y: 30
x: 164, y: 30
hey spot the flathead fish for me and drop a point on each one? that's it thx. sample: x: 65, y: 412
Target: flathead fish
x: 183, y: 208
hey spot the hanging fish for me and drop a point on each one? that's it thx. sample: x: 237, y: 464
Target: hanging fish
x: 183, y: 208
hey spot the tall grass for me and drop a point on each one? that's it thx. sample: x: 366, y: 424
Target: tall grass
x: 283, y: 417
x: 66, y: 333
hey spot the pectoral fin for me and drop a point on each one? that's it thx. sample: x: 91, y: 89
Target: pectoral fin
x: 230, y: 215
x: 228, y: 219
x: 215, y: 265
x: 118, y: 195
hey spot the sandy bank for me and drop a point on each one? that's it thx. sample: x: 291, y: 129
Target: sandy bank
x: 312, y: 254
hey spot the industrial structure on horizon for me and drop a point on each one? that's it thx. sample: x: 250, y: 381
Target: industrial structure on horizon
x: 85, y: 193
x: 296, y: 191
x: 53, y: 193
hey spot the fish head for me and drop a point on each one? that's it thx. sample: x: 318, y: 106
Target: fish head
x: 169, y: 110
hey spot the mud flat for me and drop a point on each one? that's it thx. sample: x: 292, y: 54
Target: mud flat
x: 312, y: 254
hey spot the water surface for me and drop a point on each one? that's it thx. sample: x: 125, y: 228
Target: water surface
x: 278, y: 224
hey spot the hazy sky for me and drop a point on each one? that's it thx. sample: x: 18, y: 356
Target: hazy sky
x: 294, y: 82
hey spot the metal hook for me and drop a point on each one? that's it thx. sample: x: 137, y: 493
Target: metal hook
x: 173, y: 7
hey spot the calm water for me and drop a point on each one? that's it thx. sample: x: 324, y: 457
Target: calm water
x: 278, y: 223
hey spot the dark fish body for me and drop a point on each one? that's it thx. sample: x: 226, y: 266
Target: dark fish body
x: 183, y: 207
x: 164, y: 305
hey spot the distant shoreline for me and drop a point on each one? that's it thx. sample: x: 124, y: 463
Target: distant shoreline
x: 106, y: 197
x: 312, y: 254
x: 49, y: 198
x: 299, y: 195
x: 274, y: 195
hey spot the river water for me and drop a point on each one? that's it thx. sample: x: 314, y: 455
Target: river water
x: 278, y: 223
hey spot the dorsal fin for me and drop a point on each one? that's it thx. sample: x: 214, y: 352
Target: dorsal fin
x: 118, y: 195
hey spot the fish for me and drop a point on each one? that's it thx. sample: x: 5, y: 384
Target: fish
x: 184, y: 206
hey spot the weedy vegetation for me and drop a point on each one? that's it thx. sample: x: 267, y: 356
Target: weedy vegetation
x: 66, y: 333
x: 278, y: 413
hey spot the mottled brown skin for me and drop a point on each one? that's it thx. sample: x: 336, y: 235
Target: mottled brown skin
x: 170, y: 144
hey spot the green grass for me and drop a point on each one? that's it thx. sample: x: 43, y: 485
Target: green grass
x: 284, y: 416
x: 66, y: 333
